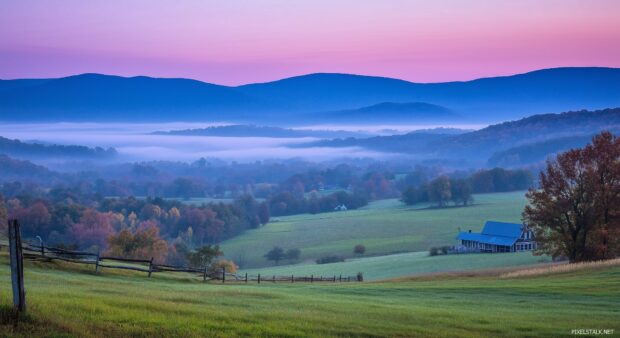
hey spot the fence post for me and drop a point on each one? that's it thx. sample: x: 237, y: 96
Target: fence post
x: 204, y: 274
x: 246, y: 278
x: 150, y: 267
x: 97, y: 263
x: 17, y: 266
x: 259, y: 278
x: 223, y: 274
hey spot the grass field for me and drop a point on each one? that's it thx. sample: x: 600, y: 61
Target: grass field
x: 384, y: 227
x: 75, y: 302
x: 405, y: 264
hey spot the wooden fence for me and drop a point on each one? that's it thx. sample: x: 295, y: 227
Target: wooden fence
x: 46, y: 253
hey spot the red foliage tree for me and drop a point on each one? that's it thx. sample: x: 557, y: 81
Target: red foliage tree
x: 576, y: 211
x: 93, y: 229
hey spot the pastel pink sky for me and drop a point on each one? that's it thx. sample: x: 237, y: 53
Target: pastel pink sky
x: 235, y: 42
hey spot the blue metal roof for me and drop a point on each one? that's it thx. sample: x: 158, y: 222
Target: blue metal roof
x: 498, y: 233
x: 503, y: 229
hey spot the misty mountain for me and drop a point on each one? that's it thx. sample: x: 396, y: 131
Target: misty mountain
x: 494, y: 98
x: 13, y: 169
x: 261, y: 131
x: 408, y: 112
x: 537, y: 152
x: 523, y: 141
x: 94, y: 97
x: 536, y: 128
x: 23, y: 150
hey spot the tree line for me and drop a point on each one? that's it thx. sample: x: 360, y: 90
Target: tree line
x: 445, y: 189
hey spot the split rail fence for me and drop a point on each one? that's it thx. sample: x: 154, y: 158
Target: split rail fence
x: 46, y: 253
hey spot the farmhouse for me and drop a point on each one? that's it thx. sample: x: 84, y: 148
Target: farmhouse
x: 498, y: 237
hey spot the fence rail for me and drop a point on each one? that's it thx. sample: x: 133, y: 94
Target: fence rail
x: 46, y: 253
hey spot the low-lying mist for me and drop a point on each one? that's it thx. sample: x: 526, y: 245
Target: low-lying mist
x: 134, y: 142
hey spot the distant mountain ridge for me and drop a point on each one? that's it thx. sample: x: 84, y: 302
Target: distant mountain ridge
x: 95, y: 97
x: 512, y: 143
x: 24, y: 150
x: 399, y: 112
x: 260, y: 131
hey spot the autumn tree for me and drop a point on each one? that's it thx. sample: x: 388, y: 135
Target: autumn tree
x: 576, y: 211
x: 439, y: 191
x: 461, y: 190
x: 263, y: 213
x: 93, y: 229
x: 143, y: 243
x: 35, y: 220
x: 413, y: 195
x: 3, y: 215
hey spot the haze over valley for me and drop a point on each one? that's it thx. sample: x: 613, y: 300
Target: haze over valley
x: 309, y: 168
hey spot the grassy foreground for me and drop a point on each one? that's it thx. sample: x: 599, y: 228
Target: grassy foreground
x: 384, y: 227
x: 75, y: 302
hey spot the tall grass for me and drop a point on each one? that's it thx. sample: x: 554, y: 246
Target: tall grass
x: 561, y: 268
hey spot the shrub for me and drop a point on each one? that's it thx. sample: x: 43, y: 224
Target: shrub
x: 359, y: 249
x: 292, y: 254
x: 445, y: 249
x: 329, y: 259
x: 229, y: 265
x: 433, y: 251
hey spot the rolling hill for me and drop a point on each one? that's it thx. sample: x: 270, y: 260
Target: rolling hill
x: 408, y: 112
x: 71, y: 300
x: 35, y: 150
x: 384, y: 227
x: 95, y: 97
x: 240, y: 130
x: 531, y: 139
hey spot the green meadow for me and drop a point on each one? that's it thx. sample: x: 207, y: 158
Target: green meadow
x: 405, y: 264
x: 384, y: 227
x: 67, y: 300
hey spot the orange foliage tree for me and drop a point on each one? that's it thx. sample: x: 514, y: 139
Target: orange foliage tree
x: 144, y: 243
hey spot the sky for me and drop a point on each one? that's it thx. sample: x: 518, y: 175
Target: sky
x: 236, y: 42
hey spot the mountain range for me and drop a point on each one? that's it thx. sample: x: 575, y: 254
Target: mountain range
x: 239, y: 130
x: 513, y: 143
x: 315, y: 98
